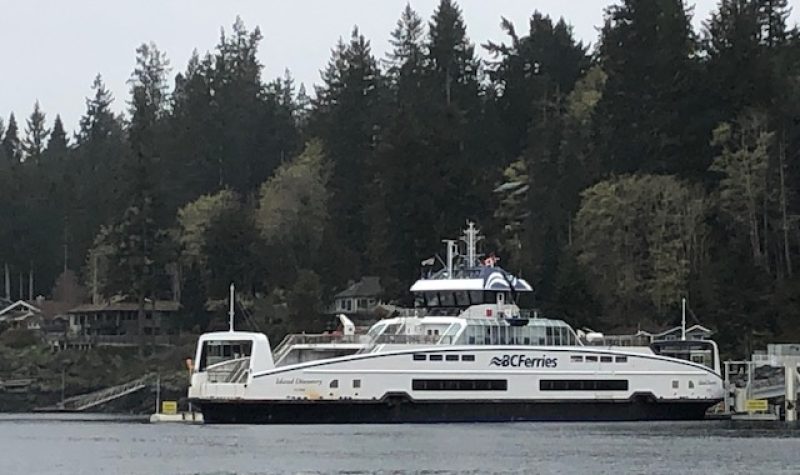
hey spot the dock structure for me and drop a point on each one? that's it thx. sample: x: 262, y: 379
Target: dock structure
x: 765, y: 385
x: 83, y: 402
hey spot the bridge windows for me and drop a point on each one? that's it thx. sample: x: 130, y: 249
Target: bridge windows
x: 217, y: 351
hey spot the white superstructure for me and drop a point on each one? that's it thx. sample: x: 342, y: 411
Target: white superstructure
x: 466, y: 352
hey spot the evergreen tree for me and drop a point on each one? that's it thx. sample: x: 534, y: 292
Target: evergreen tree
x: 11, y: 143
x: 93, y: 178
x: 98, y: 122
x: 35, y: 135
x: 138, y: 245
x: 646, y: 50
x: 539, y: 68
x: 58, y: 143
x: 347, y: 117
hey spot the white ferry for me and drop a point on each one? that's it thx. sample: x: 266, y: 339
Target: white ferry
x: 465, y: 353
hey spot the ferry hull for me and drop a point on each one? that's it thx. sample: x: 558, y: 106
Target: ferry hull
x: 406, y: 411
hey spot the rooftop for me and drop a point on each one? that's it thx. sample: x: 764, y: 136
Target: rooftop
x: 368, y: 286
x: 159, y: 306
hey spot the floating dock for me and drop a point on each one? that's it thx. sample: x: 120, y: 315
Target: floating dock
x: 181, y: 417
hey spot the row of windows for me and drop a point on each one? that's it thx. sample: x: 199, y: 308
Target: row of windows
x: 109, y: 317
x: 583, y: 385
x: 460, y: 298
x: 675, y: 384
x: 459, y: 385
x: 422, y: 357
x: 335, y: 384
x: 594, y: 358
x: 348, y: 304
x: 522, y: 335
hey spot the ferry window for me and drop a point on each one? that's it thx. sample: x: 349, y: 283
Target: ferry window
x: 451, y: 357
x: 622, y: 359
x: 467, y: 357
x: 583, y: 385
x: 576, y: 359
x: 691, y: 384
x: 356, y: 383
x: 334, y: 384
x: 418, y: 357
x: 674, y: 384
x: 570, y: 338
x: 462, y: 299
x: 447, y: 299
x: 606, y: 359
x: 591, y: 358
x: 475, y: 297
x: 433, y: 299
x: 436, y: 358
x: 459, y: 385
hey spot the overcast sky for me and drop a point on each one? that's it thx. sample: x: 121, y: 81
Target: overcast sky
x: 53, y: 49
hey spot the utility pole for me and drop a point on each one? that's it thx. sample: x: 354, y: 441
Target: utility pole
x: 95, y: 298
x: 30, y: 282
x: 7, y: 281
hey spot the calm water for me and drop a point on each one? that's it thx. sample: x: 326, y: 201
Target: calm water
x: 97, y: 444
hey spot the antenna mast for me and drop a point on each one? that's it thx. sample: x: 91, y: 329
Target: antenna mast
x: 230, y: 311
x: 471, y: 238
x: 451, y: 254
x: 683, y: 319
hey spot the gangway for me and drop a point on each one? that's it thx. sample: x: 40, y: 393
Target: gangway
x: 86, y: 401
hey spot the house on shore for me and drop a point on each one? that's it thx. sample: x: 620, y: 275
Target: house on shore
x: 21, y: 315
x: 644, y: 338
x: 360, y: 299
x: 117, y: 324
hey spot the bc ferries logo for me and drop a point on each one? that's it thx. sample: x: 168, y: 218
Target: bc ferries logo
x: 523, y: 361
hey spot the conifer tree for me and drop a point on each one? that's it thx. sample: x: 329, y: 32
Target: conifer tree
x: 98, y: 122
x: 35, y: 135
x: 138, y: 244
x: 11, y: 143
x: 58, y: 143
x: 347, y: 117
x: 646, y: 51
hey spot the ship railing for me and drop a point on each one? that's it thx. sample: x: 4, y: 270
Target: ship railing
x: 230, y: 371
x: 320, y: 339
x: 407, y: 340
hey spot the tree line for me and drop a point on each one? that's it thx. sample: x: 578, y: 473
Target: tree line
x: 661, y: 163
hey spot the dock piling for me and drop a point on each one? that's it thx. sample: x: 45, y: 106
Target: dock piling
x: 791, y: 393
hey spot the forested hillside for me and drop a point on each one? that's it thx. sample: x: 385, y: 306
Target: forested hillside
x: 659, y: 163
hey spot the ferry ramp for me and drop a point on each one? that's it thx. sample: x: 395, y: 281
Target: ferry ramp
x: 83, y: 402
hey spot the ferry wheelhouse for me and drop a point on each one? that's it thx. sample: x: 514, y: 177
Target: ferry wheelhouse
x: 465, y: 353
